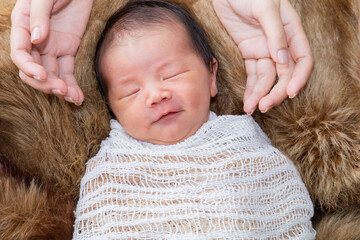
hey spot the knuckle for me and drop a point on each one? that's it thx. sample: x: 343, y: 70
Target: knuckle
x: 264, y: 76
x: 260, y: 91
x: 279, y: 94
x: 285, y: 73
x: 264, y: 5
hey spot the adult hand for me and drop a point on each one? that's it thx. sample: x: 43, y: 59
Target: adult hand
x: 270, y: 37
x: 45, y: 35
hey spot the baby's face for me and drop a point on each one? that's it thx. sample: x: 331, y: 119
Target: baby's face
x: 158, y: 88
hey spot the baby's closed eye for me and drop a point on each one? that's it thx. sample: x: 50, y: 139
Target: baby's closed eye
x: 173, y: 75
x: 131, y: 92
x: 128, y: 91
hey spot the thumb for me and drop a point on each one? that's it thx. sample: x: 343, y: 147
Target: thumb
x: 269, y: 17
x: 40, y: 19
x: 40, y: 12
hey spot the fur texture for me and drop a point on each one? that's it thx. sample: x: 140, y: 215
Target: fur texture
x: 47, y: 141
x: 319, y: 129
x: 28, y: 211
x: 340, y: 225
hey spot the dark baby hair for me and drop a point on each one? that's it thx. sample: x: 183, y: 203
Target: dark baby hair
x: 142, y: 13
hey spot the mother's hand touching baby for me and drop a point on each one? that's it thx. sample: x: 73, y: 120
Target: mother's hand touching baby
x: 268, y: 32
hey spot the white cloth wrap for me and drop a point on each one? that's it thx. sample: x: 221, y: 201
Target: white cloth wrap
x: 224, y: 182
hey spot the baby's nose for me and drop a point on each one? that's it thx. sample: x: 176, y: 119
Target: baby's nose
x: 157, y: 95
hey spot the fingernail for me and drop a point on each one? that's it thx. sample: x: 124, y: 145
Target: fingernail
x: 265, y: 110
x: 38, y: 78
x: 57, y: 92
x: 293, y: 96
x: 250, y: 113
x: 283, y: 56
x: 35, y: 34
x: 69, y: 99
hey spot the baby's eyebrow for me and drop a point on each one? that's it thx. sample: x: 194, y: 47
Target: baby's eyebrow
x: 124, y: 79
x: 165, y: 63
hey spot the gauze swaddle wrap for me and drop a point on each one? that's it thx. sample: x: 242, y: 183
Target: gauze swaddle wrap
x: 226, y: 181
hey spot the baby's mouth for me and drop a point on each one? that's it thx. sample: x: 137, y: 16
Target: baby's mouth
x: 167, y: 116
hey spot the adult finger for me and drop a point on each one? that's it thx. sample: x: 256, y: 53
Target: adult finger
x: 74, y: 94
x: 47, y: 87
x: 53, y: 85
x: 249, y: 104
x: 261, y: 85
x: 26, y: 63
x: 40, y: 19
x: 266, y: 74
x: 268, y: 14
x: 276, y: 96
x: 50, y: 63
x: 301, y: 74
x: 33, y: 83
x: 278, y: 93
x: 299, y: 49
x: 20, y: 44
x: 66, y: 72
x: 59, y: 4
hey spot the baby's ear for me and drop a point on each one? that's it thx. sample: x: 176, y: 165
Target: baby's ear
x: 213, y: 65
x: 213, y: 71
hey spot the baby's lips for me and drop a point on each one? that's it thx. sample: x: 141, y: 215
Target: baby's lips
x: 170, y: 106
x: 164, y: 114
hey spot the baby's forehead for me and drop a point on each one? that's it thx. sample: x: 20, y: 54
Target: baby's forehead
x: 156, y: 44
x: 176, y: 27
x: 179, y: 37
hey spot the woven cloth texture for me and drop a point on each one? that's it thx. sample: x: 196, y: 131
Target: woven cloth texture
x: 224, y: 182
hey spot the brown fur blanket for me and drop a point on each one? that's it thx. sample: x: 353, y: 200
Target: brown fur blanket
x: 45, y: 141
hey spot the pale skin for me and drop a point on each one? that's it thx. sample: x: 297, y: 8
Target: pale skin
x: 44, y: 49
x: 272, y: 41
x: 160, y: 92
x: 268, y: 32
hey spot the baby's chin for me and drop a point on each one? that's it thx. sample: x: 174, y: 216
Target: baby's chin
x: 163, y: 140
x: 170, y: 138
x: 168, y: 133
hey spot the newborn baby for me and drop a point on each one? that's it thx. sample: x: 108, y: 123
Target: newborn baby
x: 171, y: 168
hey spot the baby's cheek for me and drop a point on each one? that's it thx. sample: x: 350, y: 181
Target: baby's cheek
x: 138, y: 118
x: 198, y: 98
